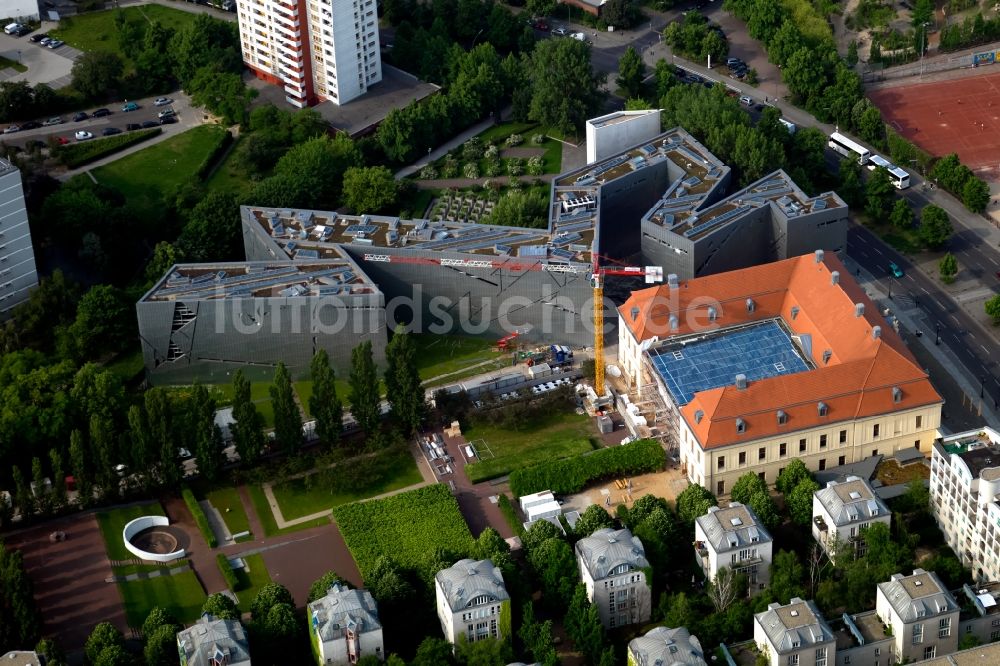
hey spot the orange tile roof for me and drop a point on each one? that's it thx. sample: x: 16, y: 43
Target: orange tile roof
x: 857, y: 381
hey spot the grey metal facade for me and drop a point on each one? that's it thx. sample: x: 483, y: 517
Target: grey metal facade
x: 18, y: 275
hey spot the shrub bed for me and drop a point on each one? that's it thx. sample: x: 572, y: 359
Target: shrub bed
x: 570, y: 476
x: 227, y: 572
x: 200, y: 519
x: 407, y: 527
x: 206, y: 165
x: 77, y: 154
x: 510, y: 514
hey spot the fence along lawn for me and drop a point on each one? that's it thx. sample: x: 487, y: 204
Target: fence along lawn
x: 407, y: 527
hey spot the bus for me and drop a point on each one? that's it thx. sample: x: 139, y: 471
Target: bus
x: 900, y: 177
x: 846, y: 147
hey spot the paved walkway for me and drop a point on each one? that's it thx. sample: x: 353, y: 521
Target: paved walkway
x: 216, y: 522
x: 459, y: 183
x: 201, y: 556
x: 451, y: 144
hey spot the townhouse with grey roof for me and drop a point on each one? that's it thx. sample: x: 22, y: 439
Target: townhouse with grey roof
x: 346, y: 625
x: 613, y: 569
x: 733, y: 537
x: 472, y: 601
x: 212, y: 642
x: 663, y: 646
x: 841, y: 512
x: 921, y: 613
x: 794, y: 634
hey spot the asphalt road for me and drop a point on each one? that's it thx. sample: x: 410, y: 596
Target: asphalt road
x: 957, y: 329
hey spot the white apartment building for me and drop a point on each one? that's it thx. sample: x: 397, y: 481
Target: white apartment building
x: 346, y: 626
x: 794, y: 635
x: 965, y: 486
x: 317, y: 50
x: 17, y: 255
x: 922, y: 614
x: 612, y: 566
x: 662, y: 646
x: 842, y: 510
x: 471, y: 600
x: 733, y: 538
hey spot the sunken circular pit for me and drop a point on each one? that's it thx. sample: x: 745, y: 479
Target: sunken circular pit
x: 152, y: 538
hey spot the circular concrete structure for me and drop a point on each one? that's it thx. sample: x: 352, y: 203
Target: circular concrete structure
x: 149, y: 539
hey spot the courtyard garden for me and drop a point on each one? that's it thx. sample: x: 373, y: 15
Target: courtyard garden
x: 113, y: 521
x: 509, y: 149
x: 180, y: 593
x: 227, y: 502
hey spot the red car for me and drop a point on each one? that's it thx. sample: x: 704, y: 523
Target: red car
x: 62, y: 140
x: 541, y: 25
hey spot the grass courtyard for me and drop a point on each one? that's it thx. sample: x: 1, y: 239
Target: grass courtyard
x: 263, y: 510
x: 227, y: 501
x: 443, y: 354
x: 252, y: 581
x: 558, y: 435
x: 147, y: 177
x: 113, y: 521
x: 180, y: 594
x: 324, y: 490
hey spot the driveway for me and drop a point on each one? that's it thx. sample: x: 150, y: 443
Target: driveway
x: 48, y: 66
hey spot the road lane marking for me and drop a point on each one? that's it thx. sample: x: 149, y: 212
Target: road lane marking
x: 876, y: 249
x: 955, y: 318
x: 987, y: 352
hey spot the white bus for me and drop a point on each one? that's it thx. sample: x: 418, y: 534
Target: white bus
x: 841, y: 144
x: 899, y: 177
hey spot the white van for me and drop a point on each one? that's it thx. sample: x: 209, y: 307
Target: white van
x: 788, y: 125
x: 11, y: 28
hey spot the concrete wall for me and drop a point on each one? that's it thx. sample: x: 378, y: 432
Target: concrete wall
x: 133, y: 527
x: 608, y: 140
x: 19, y: 9
x: 18, y: 275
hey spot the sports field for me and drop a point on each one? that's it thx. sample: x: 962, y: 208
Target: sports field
x: 957, y: 116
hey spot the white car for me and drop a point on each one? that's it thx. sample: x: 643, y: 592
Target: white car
x: 55, y: 43
x: 83, y: 135
x: 162, y: 101
x: 11, y: 129
x: 559, y: 32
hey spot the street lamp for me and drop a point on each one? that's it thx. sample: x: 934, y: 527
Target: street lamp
x: 923, y: 45
x: 890, y: 287
x: 937, y: 333
x: 982, y: 385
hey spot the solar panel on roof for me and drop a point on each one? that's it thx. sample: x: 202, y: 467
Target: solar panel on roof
x: 501, y: 249
x: 307, y: 254
x: 566, y: 239
x: 819, y: 204
x: 532, y: 251
x: 563, y: 254
x: 356, y: 229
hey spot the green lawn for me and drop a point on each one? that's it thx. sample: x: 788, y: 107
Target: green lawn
x: 561, y: 435
x: 227, y: 501
x: 263, y: 510
x: 113, y: 521
x: 498, y: 134
x: 127, y: 365
x: 96, y: 31
x: 300, y: 498
x: 148, y: 176
x: 227, y: 176
x: 250, y: 583
x: 441, y: 354
x: 223, y: 395
x: 182, y: 595
x: 7, y: 63
x: 304, y: 390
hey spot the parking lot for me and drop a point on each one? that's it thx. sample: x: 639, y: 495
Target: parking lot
x: 49, y: 66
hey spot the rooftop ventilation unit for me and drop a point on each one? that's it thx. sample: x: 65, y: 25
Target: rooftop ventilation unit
x: 876, y: 332
x: 741, y: 381
x: 819, y: 256
x: 859, y: 309
x: 673, y: 322
x: 672, y: 280
x: 835, y: 278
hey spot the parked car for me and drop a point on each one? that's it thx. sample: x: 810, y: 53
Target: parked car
x: 168, y: 120
x: 732, y: 61
x: 147, y: 124
x: 129, y: 106
x: 55, y: 43
x: 54, y: 120
x: 541, y: 25
x: 162, y: 101
x: 11, y: 129
x: 83, y: 135
x: 169, y: 111
x: 100, y: 113
x: 37, y: 38
x: 61, y: 140
x: 31, y: 124
x: 44, y: 41
x: 11, y: 27
x: 559, y: 32
x: 80, y: 115
x: 131, y: 127
x: 746, y: 101
x: 108, y: 131
x: 22, y: 31
x: 896, y: 271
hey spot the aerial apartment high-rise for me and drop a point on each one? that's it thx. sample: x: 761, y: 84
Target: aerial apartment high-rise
x: 317, y: 50
x: 17, y: 256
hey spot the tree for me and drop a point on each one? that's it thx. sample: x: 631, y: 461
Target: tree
x: 213, y: 229
x: 370, y: 189
x: 95, y: 73
x: 799, y: 501
x: 364, y: 396
x: 992, y: 307
x: 948, y: 268
x: 592, y: 519
x: 787, y: 574
x: 160, y: 417
x: 851, y: 189
x: 763, y: 506
x: 43, y: 500
x: 324, y: 404
x: 583, y: 625
x: 58, y: 478
x: 746, y: 486
x: 207, y: 436
x: 221, y: 607
x: 433, y: 652
x: 565, y: 89
x: 247, y: 428
x: 282, y: 631
x: 313, y: 170
x: 725, y: 588
x: 143, y: 455
x: 267, y: 597
x: 539, y: 532
x: 555, y: 566
x: 540, y: 7
x: 694, y: 501
x: 852, y: 53
x: 902, y: 215
x: 791, y: 476
x: 975, y: 194
x: 287, y: 418
x: 320, y: 586
x: 23, y: 499
x: 54, y: 654
x: 114, y: 655
x: 403, y: 387
x: 222, y: 93
x: 923, y: 12
x: 206, y: 42
x: 935, y: 226
x: 521, y: 208
x: 537, y: 637
x: 105, y: 319
x: 158, y: 617
x: 879, y: 193
x: 103, y: 636
x: 78, y: 465
x: 161, y: 646
x: 19, y: 622
x: 631, y: 72
x: 677, y: 610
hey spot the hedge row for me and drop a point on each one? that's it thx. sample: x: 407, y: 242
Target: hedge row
x: 227, y: 572
x: 206, y: 165
x: 570, y: 476
x: 510, y: 514
x: 77, y: 154
x: 200, y: 518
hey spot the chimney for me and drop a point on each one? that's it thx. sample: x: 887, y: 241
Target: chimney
x: 741, y: 381
x: 876, y: 332
x: 819, y: 256
x: 835, y: 278
x: 795, y: 312
x: 750, y: 305
x: 859, y: 309
x: 672, y: 281
x: 673, y: 322
x: 635, y: 313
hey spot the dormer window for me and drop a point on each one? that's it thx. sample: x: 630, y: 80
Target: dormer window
x: 822, y: 409
x: 782, y: 417
x: 741, y: 426
x: 897, y: 394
